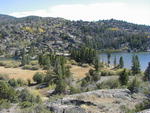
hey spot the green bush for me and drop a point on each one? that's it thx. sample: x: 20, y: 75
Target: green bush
x: 30, y: 67
x: 29, y: 82
x: 124, y: 77
x: 33, y: 63
x: 61, y: 87
x: 4, y: 104
x: 134, y: 85
x: 138, y: 107
x: 10, y: 64
x: 38, y: 99
x: 21, y: 82
x: 107, y: 73
x: 142, y: 106
x: 38, y: 77
x: 26, y: 104
x: 94, y: 75
x: 74, y: 90
x: 73, y: 62
x: 25, y: 95
x: 109, y: 84
x: 84, y: 83
x: 3, y: 77
x: 2, y: 64
x: 13, y: 82
x: 7, y: 92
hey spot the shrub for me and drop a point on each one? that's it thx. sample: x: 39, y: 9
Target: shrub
x: 92, y: 76
x: 84, y: 83
x: 4, y: 104
x: 38, y: 77
x: 38, y: 99
x: 73, y: 62
x: 107, y: 73
x: 7, y: 92
x: 124, y: 77
x: 3, y: 77
x: 33, y: 63
x: 21, y: 82
x: 25, y: 95
x: 74, y: 90
x: 134, y: 86
x: 30, y: 67
x: 13, y: 82
x: 142, y: 106
x: 10, y: 64
x: 109, y: 84
x: 95, y: 76
x: 26, y: 104
x: 61, y: 87
x: 29, y: 82
x: 2, y: 64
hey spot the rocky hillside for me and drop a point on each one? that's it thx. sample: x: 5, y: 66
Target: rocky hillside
x: 99, y: 101
x: 59, y: 34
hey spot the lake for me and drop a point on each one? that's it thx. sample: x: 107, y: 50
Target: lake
x: 144, y: 58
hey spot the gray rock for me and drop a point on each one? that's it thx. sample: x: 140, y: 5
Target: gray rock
x: 145, y: 111
x: 99, y: 101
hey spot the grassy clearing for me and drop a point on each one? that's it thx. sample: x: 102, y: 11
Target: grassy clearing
x: 10, y: 63
x: 18, y: 73
x: 79, y: 72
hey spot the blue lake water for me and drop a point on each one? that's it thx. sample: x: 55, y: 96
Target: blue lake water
x: 144, y: 58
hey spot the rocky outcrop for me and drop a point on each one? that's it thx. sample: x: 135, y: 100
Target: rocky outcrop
x: 99, y: 101
x: 145, y: 111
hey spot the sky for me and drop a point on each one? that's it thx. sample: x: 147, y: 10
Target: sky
x: 134, y: 11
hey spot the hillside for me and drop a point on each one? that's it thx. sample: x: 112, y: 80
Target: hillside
x: 57, y: 34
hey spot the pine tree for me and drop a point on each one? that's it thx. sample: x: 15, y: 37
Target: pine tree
x: 96, y: 64
x: 147, y: 73
x: 135, y: 65
x: 83, y: 55
x: 108, y: 58
x: 115, y: 61
x: 40, y: 59
x: 25, y: 58
x: 124, y: 77
x: 121, y: 62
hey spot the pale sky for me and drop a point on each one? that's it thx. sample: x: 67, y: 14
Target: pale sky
x: 135, y: 11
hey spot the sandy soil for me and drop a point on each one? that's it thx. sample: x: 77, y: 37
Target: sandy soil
x: 18, y: 73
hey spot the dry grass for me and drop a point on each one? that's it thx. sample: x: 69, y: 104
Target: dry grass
x: 18, y: 73
x: 79, y: 72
